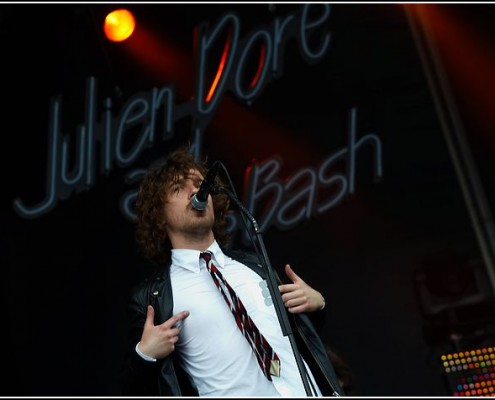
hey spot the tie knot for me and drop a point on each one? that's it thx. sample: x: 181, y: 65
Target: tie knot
x: 206, y: 255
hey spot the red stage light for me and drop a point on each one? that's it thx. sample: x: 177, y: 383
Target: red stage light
x: 119, y: 25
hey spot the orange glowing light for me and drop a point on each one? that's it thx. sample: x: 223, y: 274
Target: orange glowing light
x: 119, y: 25
x: 220, y: 69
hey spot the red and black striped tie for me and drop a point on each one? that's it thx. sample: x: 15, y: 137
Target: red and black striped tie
x: 267, y: 358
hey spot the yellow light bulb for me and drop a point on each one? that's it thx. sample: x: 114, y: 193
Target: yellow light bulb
x: 119, y: 25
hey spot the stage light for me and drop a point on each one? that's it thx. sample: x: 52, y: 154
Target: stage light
x: 471, y: 379
x: 119, y: 25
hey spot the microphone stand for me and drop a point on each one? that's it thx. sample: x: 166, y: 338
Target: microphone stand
x: 273, y: 287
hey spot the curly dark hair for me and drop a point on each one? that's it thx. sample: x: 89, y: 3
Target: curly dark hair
x: 151, y: 235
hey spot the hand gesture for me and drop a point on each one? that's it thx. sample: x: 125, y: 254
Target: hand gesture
x: 158, y: 341
x: 298, y: 296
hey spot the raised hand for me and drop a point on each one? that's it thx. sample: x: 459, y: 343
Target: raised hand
x: 158, y: 341
x: 298, y: 296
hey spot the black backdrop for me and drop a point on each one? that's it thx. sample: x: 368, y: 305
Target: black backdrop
x: 67, y: 273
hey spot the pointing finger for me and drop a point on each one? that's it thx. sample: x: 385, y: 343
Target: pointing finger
x: 291, y: 274
x: 174, y: 319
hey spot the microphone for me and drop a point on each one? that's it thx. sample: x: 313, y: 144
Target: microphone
x: 199, y: 201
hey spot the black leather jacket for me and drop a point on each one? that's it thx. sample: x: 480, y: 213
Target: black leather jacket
x: 166, y: 378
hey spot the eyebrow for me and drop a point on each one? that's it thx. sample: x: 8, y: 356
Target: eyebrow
x: 179, y: 179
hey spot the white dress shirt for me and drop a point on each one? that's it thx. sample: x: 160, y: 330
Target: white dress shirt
x: 212, y: 349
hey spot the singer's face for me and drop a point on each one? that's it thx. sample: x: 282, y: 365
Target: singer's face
x: 181, y: 219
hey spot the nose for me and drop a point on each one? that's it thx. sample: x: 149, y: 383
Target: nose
x: 193, y: 188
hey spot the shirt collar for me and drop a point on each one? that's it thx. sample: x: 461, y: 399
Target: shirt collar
x: 189, y: 258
